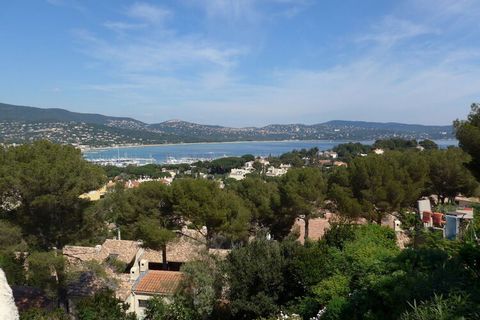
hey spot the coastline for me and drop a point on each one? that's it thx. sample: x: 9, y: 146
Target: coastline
x: 219, y: 142
x: 90, y: 149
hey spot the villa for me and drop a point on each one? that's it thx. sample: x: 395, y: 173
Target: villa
x: 137, y: 272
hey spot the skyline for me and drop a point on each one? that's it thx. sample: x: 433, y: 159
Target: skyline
x: 244, y: 63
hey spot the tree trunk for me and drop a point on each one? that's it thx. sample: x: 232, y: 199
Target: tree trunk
x: 307, y: 226
x: 208, y: 239
x: 164, y: 257
x: 379, y: 218
x: 441, y: 199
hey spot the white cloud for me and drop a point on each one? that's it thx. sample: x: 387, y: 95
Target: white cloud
x: 428, y: 79
x: 165, y: 54
x: 119, y: 26
x: 250, y: 11
x: 229, y: 9
x: 392, y: 30
x: 74, y: 4
x: 148, y: 12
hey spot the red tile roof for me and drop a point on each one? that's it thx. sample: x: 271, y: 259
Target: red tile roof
x: 159, y: 282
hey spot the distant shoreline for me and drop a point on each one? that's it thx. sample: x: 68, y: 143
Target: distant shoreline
x: 84, y: 150
x: 191, y: 143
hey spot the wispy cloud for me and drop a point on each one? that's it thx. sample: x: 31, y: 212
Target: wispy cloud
x: 149, y: 13
x: 406, y: 69
x: 119, y: 26
x: 165, y: 54
x: 229, y: 9
x: 74, y: 4
x: 250, y: 11
x: 392, y: 30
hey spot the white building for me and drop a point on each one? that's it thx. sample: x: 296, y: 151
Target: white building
x: 328, y: 154
x: 248, y: 165
x: 8, y: 310
x: 238, y: 174
x: 144, y: 276
x: 276, y: 172
x: 263, y: 161
x: 285, y: 166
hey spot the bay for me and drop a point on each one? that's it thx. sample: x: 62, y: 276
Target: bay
x: 208, y: 151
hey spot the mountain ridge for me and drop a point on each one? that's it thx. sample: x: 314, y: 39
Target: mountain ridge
x: 11, y: 112
x: 42, y: 123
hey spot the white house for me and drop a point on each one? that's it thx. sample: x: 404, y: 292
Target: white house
x: 238, y: 174
x: 276, y: 172
x: 248, y: 165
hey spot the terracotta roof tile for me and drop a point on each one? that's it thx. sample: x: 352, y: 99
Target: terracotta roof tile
x: 76, y: 253
x: 317, y: 226
x: 316, y: 229
x: 159, y: 282
x: 220, y: 253
x: 185, y: 248
x: 125, y: 249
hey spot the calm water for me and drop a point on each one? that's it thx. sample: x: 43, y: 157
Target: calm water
x: 161, y: 153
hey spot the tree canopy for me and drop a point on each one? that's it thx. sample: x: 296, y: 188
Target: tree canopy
x: 203, y: 203
x: 40, y: 189
x: 303, y: 192
x: 468, y: 135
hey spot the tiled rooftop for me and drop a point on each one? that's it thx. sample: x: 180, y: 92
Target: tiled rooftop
x: 77, y: 253
x: 159, y: 282
x: 124, y: 250
x: 316, y: 228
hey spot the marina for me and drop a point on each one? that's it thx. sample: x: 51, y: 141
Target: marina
x: 192, y: 152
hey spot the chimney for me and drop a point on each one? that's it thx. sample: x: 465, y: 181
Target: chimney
x: 143, y: 265
x: 134, y: 273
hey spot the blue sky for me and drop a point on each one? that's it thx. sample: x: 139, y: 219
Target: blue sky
x: 244, y: 62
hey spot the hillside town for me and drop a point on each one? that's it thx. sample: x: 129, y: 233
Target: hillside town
x: 20, y: 124
x: 79, y: 134
x: 208, y: 239
x: 240, y: 160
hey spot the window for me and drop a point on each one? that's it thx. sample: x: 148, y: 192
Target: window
x: 142, y: 303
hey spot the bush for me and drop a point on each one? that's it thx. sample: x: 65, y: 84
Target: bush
x: 117, y: 265
x: 256, y: 274
x: 157, y: 309
x: 41, y: 314
x: 13, y: 268
x: 333, y: 287
x: 441, y: 308
x: 103, y: 305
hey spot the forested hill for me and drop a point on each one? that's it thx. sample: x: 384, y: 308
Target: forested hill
x: 21, y: 124
x: 10, y: 112
x: 388, y: 126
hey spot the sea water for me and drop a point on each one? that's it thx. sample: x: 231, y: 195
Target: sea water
x: 207, y: 151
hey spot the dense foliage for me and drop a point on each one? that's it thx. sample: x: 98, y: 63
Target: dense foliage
x: 468, y: 135
x: 40, y: 188
x: 356, y: 271
x: 103, y: 305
